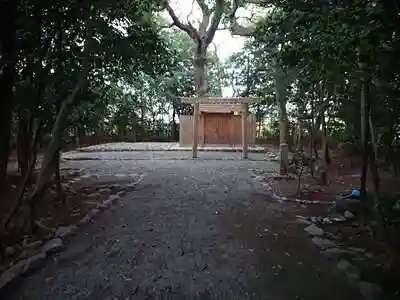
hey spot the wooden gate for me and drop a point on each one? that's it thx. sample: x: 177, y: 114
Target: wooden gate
x: 217, y: 128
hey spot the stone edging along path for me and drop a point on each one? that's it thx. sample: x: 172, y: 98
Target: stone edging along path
x: 250, y: 150
x: 132, y: 147
x: 25, y: 266
x: 325, y: 242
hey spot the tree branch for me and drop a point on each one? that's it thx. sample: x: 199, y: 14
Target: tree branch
x: 235, y: 27
x: 188, y: 28
x: 203, y: 25
x: 204, y: 8
x: 219, y: 10
x: 191, y: 12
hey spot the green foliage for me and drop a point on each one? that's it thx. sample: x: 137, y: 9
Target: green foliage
x: 51, y: 58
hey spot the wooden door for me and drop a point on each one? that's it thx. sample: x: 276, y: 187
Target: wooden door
x: 216, y: 128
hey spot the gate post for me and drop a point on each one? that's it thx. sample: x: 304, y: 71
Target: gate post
x: 245, y: 112
x: 195, y: 128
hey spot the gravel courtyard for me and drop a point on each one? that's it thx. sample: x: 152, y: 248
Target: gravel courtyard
x: 192, y: 229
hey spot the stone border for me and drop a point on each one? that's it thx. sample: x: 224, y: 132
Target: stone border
x: 300, y: 201
x: 23, y: 267
x: 266, y: 159
x: 324, y: 241
x: 176, y: 149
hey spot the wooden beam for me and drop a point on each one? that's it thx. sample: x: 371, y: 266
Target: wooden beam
x: 220, y: 100
x: 245, y: 114
x: 195, y: 129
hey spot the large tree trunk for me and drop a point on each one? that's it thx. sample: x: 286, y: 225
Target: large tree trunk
x: 7, y: 76
x: 280, y: 91
x: 364, y: 137
x: 200, y: 70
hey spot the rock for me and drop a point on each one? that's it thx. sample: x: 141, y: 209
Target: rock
x: 314, y: 230
x: 94, y: 195
x: 350, y: 270
x: 93, y: 213
x: 353, y: 273
x: 348, y: 214
x: 343, y: 265
x: 396, y: 206
x: 369, y: 255
x: 327, y: 221
x: 33, y: 245
x: 103, y: 205
x: 26, y: 253
x: 85, y: 220
x: 339, y: 219
x: 114, y: 198
x: 323, y: 243
x: 358, y: 259
x: 53, y: 245
x: 66, y: 231
x: 331, y: 236
x: 9, y: 251
x: 303, y: 220
x: 335, y: 252
x: 34, y: 262
x: 369, y: 290
x: 21, y: 268
x: 357, y: 250
x: 121, y: 194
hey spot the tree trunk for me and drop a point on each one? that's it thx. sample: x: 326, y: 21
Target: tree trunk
x: 373, y: 158
x: 33, y: 148
x: 57, y: 177
x: 325, y: 155
x: 200, y: 70
x: 24, y: 142
x: 280, y: 91
x: 364, y: 137
x: 7, y: 77
x: 47, y: 169
x: 313, y: 150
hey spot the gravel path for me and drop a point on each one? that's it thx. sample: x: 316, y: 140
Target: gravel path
x: 192, y: 230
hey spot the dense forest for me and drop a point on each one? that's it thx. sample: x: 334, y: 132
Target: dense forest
x: 327, y: 74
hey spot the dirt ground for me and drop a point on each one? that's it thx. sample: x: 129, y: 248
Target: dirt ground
x: 192, y: 229
x: 343, y: 175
